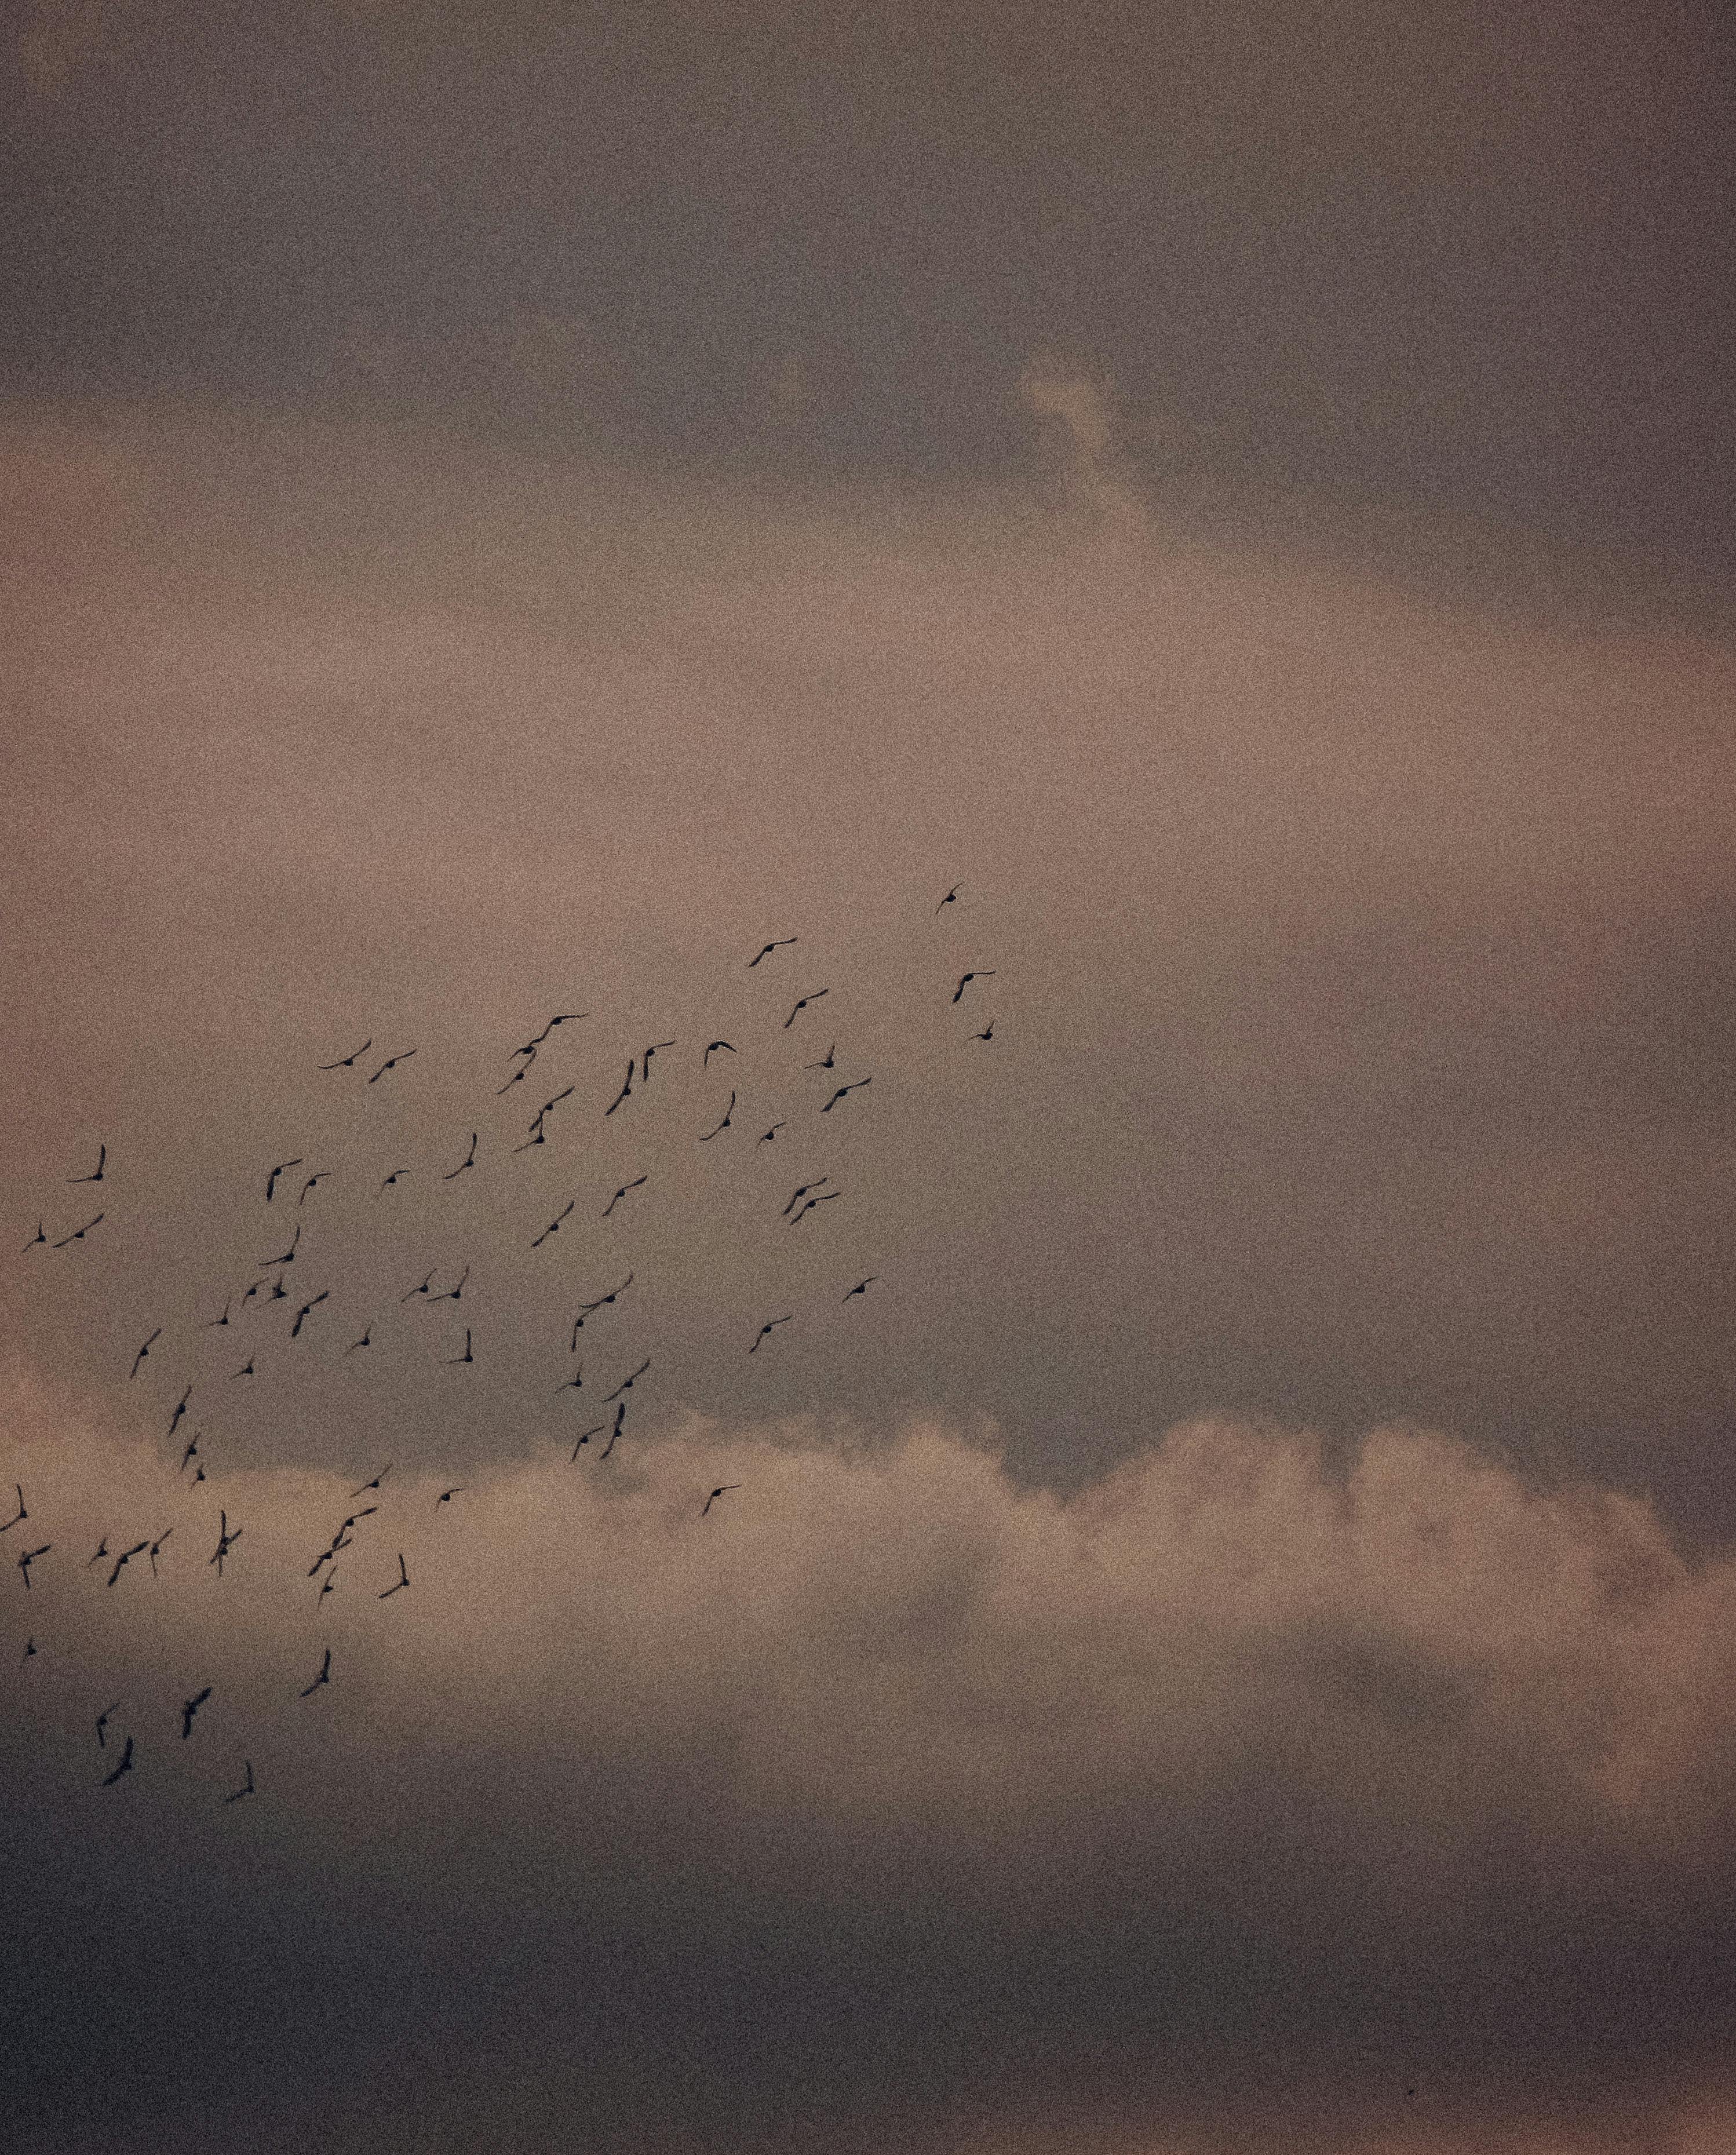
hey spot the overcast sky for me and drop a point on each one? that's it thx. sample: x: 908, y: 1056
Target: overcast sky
x: 1228, y: 1642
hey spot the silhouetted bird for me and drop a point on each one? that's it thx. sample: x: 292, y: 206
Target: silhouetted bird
x: 180, y: 1410
x: 422, y: 1289
x: 102, y: 1161
x: 765, y: 1328
x: 620, y: 1419
x: 29, y: 1556
x: 307, y: 1310
x: 446, y: 1496
x: 189, y: 1707
x: 225, y: 1542
x: 621, y: 1193
x: 248, y: 1789
x: 155, y: 1546
x: 348, y: 1061
x: 469, y: 1160
x: 390, y: 1179
x: 124, y: 1767
x: 826, y: 1062
x: 554, y: 1226
x: 283, y: 1167
x: 796, y: 1195
x: 143, y: 1352
x: 390, y: 1063
x: 766, y: 1136
x: 987, y: 1032
x: 453, y: 1293
x: 843, y: 1092
x: 289, y: 1255
x: 814, y: 995
x: 466, y: 1356
x: 366, y: 1486
x: 312, y: 1182
x: 365, y: 1340
x: 722, y: 1489
x: 950, y: 899
x: 723, y: 1125
x: 38, y: 1236
x: 324, y: 1677
x: 403, y: 1580
x: 126, y: 1557
x: 862, y: 1287
x: 967, y: 979
x: 716, y: 1045
x: 782, y: 944
x: 248, y: 1371
x: 645, y: 1074
x: 79, y: 1234
x: 584, y: 1439
x: 626, y: 1090
x: 628, y: 1383
x: 824, y: 1198
x: 102, y: 1723
x: 211, y: 1321
x: 21, y: 1513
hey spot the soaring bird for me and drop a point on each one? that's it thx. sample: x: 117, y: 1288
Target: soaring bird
x: 180, y: 1410
x: 466, y: 1356
x: 586, y: 1439
x: 289, y: 1255
x: 391, y: 1062
x: 102, y: 1550
x: 102, y: 1723
x: 855, y: 1086
x: 211, y: 1321
x: 824, y: 1198
x: 645, y: 1074
x: 722, y: 1489
x: 189, y: 1707
x: 248, y: 1789
x: 79, y: 1234
x: 415, y: 1291
x: 589, y: 1308
x: 950, y: 899
x: 765, y: 1328
x: 862, y: 1287
x: 620, y: 1418
x: 517, y: 1078
x: 796, y: 1195
x: 126, y: 1557
x: 324, y: 1677
x: 826, y: 1061
x: 143, y: 1352
x: 554, y: 1226
x: 548, y: 1107
x: 566, y: 1017
x: 965, y: 979
x: 348, y: 1061
x: 313, y: 1182
x: 766, y: 1136
x: 155, y: 1546
x: 248, y: 1371
x: 21, y: 1513
x: 453, y: 1293
x: 29, y: 1556
x: 628, y: 1383
x: 812, y: 996
x: 575, y: 1383
x: 365, y: 1340
x: 723, y: 1125
x: 307, y: 1309
x: 102, y: 1161
x: 782, y: 944
x: 124, y: 1767
x: 469, y: 1160
x: 374, y: 1484
x: 621, y: 1193
x: 225, y: 1542
x: 40, y: 1235
x: 446, y: 1496
x: 626, y: 1088
x: 987, y: 1032
x: 191, y: 1452
x: 396, y: 1173
x: 283, y: 1167
x: 716, y: 1045
x: 403, y: 1580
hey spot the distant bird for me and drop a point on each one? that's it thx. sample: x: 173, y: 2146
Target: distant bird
x: 722, y: 1489
x: 326, y: 1583
x: 626, y: 1088
x: 248, y: 1371
x: 248, y: 1789
x: 191, y: 1452
x: 802, y: 1192
x: 283, y: 1167
x: 366, y: 1486
x: 536, y: 1138
x: 855, y: 1086
x: 422, y: 1289
x: 102, y: 1161
x: 645, y: 1074
x: 348, y: 1061
x: 143, y: 1352
x: 365, y: 1340
x: 548, y: 1107
x: 225, y: 1542
x: 723, y: 1125
x: 517, y: 1078
x: 38, y: 1236
x: 812, y: 996
x: 824, y: 1198
x: 307, y: 1309
x: 224, y: 1319
x: 862, y: 1287
x: 124, y: 1767
x: 987, y: 1032
x: 396, y: 1173
x: 628, y: 1383
x: 714, y: 1049
x: 567, y: 1017
x: 446, y: 1496
x: 29, y: 1556
x: 102, y: 1723
x: 157, y: 1545
x: 469, y: 1160
x: 258, y: 1287
x: 590, y: 1309
x: 575, y: 1383
x: 766, y: 1136
x: 826, y: 1062
x: 554, y: 1226
x: 584, y: 1439
x: 180, y: 1410
x: 313, y: 1180
x: 766, y: 1329
x: 390, y: 1063
x: 621, y: 1193
x: 453, y: 1293
x: 278, y: 1292
x: 466, y: 1356
x: 79, y: 1234
x: 966, y: 979
x: 21, y: 1513
x: 950, y: 899
x: 403, y: 1580
x: 289, y: 1255
x: 782, y: 944
x: 102, y: 1550
x: 324, y: 1677
x: 620, y: 1419
x: 29, y: 1653
x: 126, y: 1557
x: 189, y: 1707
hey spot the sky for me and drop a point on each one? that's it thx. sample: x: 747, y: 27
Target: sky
x: 1226, y: 1643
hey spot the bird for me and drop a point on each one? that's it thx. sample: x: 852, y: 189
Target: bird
x: 548, y: 1107
x: 283, y: 1167
x: 326, y: 1583
x: 289, y: 1255
x: 466, y: 1356
x: 766, y: 1136
x: 225, y: 1542
x: 723, y: 1125
x: 782, y: 943
x: 826, y: 1061
x: 825, y: 1197
x: 258, y: 1287
x: 38, y: 1236
x: 102, y: 1550
x: 585, y: 1440
x: 855, y: 1086
x: 143, y: 1352
x: 620, y: 1418
x: 517, y: 1078
x: 966, y: 979
x: 403, y: 1580
x: 812, y: 996
x: 180, y: 1410
x: 246, y: 1791
x: 102, y: 1723
x: 554, y: 1226
x: 452, y: 1293
x: 29, y: 1651
x: 628, y: 1383
x: 626, y: 1088
x: 21, y: 1513
x: 390, y: 1063
x: 567, y: 1017
x: 415, y: 1291
x: 469, y: 1160
x: 802, y: 1192
x: 389, y: 1181
x: 126, y: 1557
x: 862, y: 1287
x: 224, y: 1319
x: 124, y: 1767
x: 716, y: 1045
x: 645, y: 1074
x: 765, y: 1328
x: 29, y: 1556
x: 79, y: 1234
x: 348, y: 1061
x: 189, y: 1707
x: 950, y: 899
x: 446, y: 1496
x: 365, y: 1340
x: 307, y: 1309
x: 102, y: 1161
x: 575, y: 1383
x: 191, y: 1452
x: 249, y: 1371
x: 324, y: 1677
x: 621, y: 1193
x: 536, y: 1138
x: 722, y: 1489
x: 987, y: 1032
x: 590, y: 1309
x: 323, y: 1175
x: 157, y: 1545
x: 366, y: 1486
x: 278, y: 1292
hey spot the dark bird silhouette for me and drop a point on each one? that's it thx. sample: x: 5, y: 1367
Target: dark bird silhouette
x: 446, y: 1496
x: 307, y: 1309
x: 403, y: 1580
x: 987, y: 1032
x: 554, y: 1226
x: 844, y: 1090
x: 289, y: 1255
x: 723, y: 1125
x: 590, y: 1309
x: 536, y: 1136
x: 567, y: 1017
x: 191, y: 1452
x: 198, y: 1474
x: 765, y: 1329
x: 79, y: 1234
x: 469, y: 1160
x: 824, y: 1198
x: 189, y: 1707
x: 312, y: 1182
x: 620, y: 1419
x: 716, y: 1045
x: 453, y: 1293
x: 390, y: 1063
x: 365, y: 1340
x: 796, y: 1195
x: 766, y: 1136
x: 782, y: 943
x: 575, y: 1383
x: 211, y: 1321
x: 621, y: 1193
x: 157, y: 1545
x: 628, y: 1383
x: 258, y: 1287
x: 826, y: 1062
x: 326, y: 1583
x: 249, y: 1371
x: 862, y: 1287
x: 225, y: 1542
x: 21, y: 1513
x: 102, y: 1550
x: 278, y: 1292
x: 626, y: 1088
x: 246, y: 1791
x: 548, y: 1107
x: 283, y: 1167
x: 584, y: 1439
x: 348, y: 1061
x: 126, y: 1557
x: 722, y: 1489
x: 415, y: 1291
x: 466, y: 1356
x: 124, y: 1767
x: 966, y: 979
x: 366, y: 1486
x: 175, y: 1419
x: 102, y: 1723
x: 29, y: 1653
x: 142, y: 1353
x: 517, y: 1078
x: 396, y: 1173
x: 950, y: 899
x: 814, y: 995
x: 102, y: 1161
x: 29, y: 1556
x: 324, y: 1677
x: 38, y: 1236
x: 645, y: 1074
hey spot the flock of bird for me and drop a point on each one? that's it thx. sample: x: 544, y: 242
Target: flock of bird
x: 108, y: 1566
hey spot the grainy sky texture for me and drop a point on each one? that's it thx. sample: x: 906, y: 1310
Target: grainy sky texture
x: 1230, y: 1643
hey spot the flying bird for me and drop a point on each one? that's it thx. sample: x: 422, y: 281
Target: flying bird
x: 403, y: 1580
x: 536, y: 1138
x: 38, y: 1236
x: 415, y: 1291
x: 21, y: 1513
x: 626, y: 1088
x: 628, y: 1383
x: 966, y: 979
x: 802, y: 1192
x: 517, y: 1078
x: 189, y: 1707
x: 390, y: 1063
x: 348, y: 1061
x: 645, y: 1075
x: 826, y: 1062
x: 389, y: 1181
x: 102, y: 1723
x: 248, y: 1371
x: 124, y: 1767
x: 782, y: 944
x: 365, y: 1340
x: 225, y: 1542
x: 366, y: 1486
x: 323, y: 1175
x: 862, y: 1287
x: 452, y: 1293
x: 621, y: 1193
x: 586, y: 1439
x: 283, y: 1167
x: 855, y: 1086
x: 620, y: 1418
x: 554, y: 1226
x: 814, y: 995
x: 548, y: 1107
x: 180, y: 1410
x: 79, y: 1234
x: 157, y: 1545
x: 824, y: 1198
x: 102, y: 1550
x: 987, y: 1032
x: 590, y: 1309
x: 327, y: 1583
x: 950, y: 899
x: 126, y: 1557
x: 191, y: 1452
x: 446, y: 1496
x: 723, y: 1125
x: 466, y: 1356
x: 289, y: 1255
x: 307, y: 1309
x: 224, y: 1319
x: 143, y: 1352
x: 722, y: 1489
x: 766, y: 1329
x: 102, y: 1161
x: 715, y: 1046
x: 566, y: 1017
x: 324, y: 1677
x: 575, y: 1383
x: 469, y: 1160
x: 766, y: 1136
x: 29, y: 1556
x: 248, y: 1789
